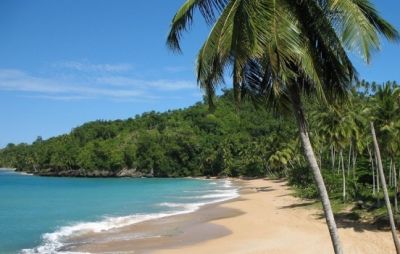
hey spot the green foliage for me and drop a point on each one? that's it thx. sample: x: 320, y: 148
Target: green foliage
x: 190, y: 142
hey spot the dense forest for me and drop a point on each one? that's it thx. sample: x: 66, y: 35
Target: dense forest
x: 235, y: 142
x: 189, y: 142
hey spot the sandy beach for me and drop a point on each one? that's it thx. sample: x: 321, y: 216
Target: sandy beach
x: 265, y: 219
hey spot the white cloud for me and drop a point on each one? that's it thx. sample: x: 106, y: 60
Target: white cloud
x: 57, y: 97
x: 160, y: 84
x: 85, y: 66
x: 91, y: 86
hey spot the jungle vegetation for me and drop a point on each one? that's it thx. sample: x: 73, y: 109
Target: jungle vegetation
x: 252, y: 142
x: 280, y: 51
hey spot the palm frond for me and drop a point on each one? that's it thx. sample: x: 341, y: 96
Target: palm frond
x: 214, y: 54
x: 358, y: 23
x: 183, y: 19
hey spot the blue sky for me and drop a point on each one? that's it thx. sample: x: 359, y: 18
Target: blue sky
x: 66, y: 62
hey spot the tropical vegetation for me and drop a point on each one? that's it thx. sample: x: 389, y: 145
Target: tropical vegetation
x: 280, y: 51
x: 250, y: 143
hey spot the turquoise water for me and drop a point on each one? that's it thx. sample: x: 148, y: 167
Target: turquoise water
x: 39, y: 214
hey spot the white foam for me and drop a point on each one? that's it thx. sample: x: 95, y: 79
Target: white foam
x: 53, y: 242
x: 222, y: 195
x: 227, y: 184
x: 205, y: 191
x: 189, y: 207
x: 26, y: 174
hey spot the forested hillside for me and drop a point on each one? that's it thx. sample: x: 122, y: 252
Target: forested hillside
x: 229, y: 142
x: 189, y: 142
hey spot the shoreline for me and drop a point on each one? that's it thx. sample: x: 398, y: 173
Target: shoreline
x: 158, y: 233
x: 8, y: 169
x: 266, y: 218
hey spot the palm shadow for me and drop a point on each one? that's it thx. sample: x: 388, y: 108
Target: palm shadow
x: 302, y: 204
x: 352, y: 220
x: 264, y: 189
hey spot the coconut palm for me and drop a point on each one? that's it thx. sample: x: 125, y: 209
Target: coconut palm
x: 392, y: 131
x: 280, y: 51
x: 384, y: 188
x: 339, y: 129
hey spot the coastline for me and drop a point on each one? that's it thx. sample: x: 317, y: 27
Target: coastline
x: 266, y: 218
x: 8, y: 169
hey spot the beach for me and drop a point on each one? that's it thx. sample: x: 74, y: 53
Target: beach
x: 265, y: 219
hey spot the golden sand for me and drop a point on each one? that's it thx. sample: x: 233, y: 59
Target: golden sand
x: 266, y: 219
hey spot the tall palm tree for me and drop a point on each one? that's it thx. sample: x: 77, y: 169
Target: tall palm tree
x: 339, y: 128
x: 387, y: 110
x: 384, y: 188
x: 280, y: 51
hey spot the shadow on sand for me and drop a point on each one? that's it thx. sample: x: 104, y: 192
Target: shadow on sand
x: 302, y: 204
x: 352, y: 219
x: 348, y: 219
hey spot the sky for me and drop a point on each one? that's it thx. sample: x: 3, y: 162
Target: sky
x: 67, y: 62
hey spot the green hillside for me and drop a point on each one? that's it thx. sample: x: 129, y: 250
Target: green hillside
x: 187, y: 142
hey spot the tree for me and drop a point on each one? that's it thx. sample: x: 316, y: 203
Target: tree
x: 337, y: 127
x: 281, y: 50
x: 385, y: 191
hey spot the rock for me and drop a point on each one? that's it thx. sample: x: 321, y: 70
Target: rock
x: 129, y: 173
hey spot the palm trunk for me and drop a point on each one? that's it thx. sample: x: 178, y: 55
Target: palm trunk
x: 310, y: 156
x: 320, y: 159
x: 349, y: 161
x: 373, y: 171
x: 333, y: 158
x: 343, y: 177
x: 385, y: 191
x: 396, y: 209
x: 391, y: 173
x: 377, y: 174
x: 354, y: 164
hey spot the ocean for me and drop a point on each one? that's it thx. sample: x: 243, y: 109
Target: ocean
x: 42, y: 214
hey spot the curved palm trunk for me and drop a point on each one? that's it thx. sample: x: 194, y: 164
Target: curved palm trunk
x: 396, y: 189
x: 343, y: 177
x: 310, y: 156
x: 371, y: 160
x: 385, y: 191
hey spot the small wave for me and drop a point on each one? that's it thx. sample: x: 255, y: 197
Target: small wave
x: 206, y: 191
x: 222, y: 195
x: 213, y: 195
x: 26, y: 174
x: 194, y: 206
x: 189, y: 207
x: 227, y: 184
x: 53, y: 242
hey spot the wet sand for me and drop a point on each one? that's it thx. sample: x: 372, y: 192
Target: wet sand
x: 265, y: 219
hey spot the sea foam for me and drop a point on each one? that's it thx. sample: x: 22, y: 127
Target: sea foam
x: 53, y: 243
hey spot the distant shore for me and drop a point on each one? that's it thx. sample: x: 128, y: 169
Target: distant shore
x: 265, y: 219
x: 8, y: 169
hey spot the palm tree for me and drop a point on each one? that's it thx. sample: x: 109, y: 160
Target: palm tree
x: 385, y: 191
x: 280, y: 51
x: 387, y: 109
x: 339, y: 129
